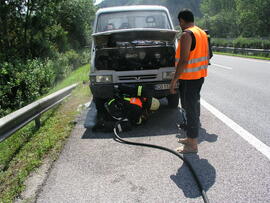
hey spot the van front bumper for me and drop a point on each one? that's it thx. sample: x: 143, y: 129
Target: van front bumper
x: 160, y: 89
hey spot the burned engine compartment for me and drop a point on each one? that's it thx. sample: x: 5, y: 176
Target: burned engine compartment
x: 134, y: 55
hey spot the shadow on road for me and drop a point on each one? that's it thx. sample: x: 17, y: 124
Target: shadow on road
x: 164, y: 122
x: 185, y: 181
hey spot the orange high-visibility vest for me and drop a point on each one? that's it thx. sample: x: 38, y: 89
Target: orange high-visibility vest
x: 134, y: 100
x: 198, y: 58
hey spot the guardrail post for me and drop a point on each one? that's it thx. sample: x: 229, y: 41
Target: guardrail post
x: 37, y: 121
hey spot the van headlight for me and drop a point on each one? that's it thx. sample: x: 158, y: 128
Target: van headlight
x: 101, y: 78
x: 167, y: 75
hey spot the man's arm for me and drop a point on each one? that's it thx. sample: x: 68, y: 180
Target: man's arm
x: 185, y: 42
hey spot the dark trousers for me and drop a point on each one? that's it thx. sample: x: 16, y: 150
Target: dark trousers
x: 190, y: 102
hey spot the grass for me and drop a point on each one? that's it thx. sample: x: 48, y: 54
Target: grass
x: 25, y: 151
x: 241, y: 55
x: 79, y: 75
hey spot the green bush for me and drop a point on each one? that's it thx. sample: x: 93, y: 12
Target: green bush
x: 73, y: 59
x: 22, y: 83
x: 242, y: 42
x: 61, y: 66
x: 84, y: 57
x: 69, y: 61
x: 221, y: 42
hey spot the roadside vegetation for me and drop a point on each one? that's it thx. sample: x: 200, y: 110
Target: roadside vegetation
x: 242, y: 44
x: 237, y: 24
x: 41, y: 42
x: 236, y: 18
x: 24, y: 151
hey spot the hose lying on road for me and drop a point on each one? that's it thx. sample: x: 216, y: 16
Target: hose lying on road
x: 119, y: 139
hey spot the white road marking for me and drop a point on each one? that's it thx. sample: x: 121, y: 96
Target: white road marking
x: 246, y: 59
x: 251, y: 139
x: 255, y: 60
x: 226, y: 67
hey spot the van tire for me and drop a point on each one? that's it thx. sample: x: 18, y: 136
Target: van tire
x: 99, y: 103
x: 173, y: 100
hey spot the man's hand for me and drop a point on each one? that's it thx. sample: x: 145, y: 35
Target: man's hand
x: 173, y: 86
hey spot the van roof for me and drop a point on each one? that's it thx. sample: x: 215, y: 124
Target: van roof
x: 131, y: 8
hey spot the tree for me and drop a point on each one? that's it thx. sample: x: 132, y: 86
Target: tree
x: 247, y: 18
x: 254, y: 19
x: 37, y: 38
x: 41, y: 28
x: 76, y: 17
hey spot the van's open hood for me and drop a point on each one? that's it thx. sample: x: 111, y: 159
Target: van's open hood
x: 128, y: 35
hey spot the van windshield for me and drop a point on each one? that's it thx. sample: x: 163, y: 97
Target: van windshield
x: 132, y: 19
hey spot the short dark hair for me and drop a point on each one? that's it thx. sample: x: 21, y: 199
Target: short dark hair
x: 186, y: 15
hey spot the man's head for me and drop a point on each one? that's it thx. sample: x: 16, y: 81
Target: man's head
x: 186, y: 18
x: 110, y: 26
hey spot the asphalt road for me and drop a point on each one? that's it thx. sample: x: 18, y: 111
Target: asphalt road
x: 94, y: 168
x: 240, y: 88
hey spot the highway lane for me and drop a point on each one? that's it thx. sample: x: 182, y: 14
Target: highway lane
x: 240, y: 89
x: 94, y: 168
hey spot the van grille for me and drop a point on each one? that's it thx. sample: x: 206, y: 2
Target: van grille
x: 138, y: 77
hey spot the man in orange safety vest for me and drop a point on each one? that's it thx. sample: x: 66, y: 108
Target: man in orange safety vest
x: 192, y: 58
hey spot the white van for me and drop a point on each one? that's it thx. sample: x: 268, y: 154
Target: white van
x: 133, y: 45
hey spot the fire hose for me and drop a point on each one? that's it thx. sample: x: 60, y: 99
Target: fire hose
x: 117, y: 138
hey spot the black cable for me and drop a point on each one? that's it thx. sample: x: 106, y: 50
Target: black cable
x: 119, y: 139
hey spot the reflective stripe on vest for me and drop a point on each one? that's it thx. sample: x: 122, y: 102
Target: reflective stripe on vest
x: 190, y: 70
x: 198, y: 58
x: 111, y: 101
x: 194, y: 60
x: 139, y: 93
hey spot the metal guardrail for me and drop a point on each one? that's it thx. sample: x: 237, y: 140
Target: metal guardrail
x: 18, y: 119
x: 217, y: 48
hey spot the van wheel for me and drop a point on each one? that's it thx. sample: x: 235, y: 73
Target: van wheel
x: 173, y: 100
x: 99, y: 102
